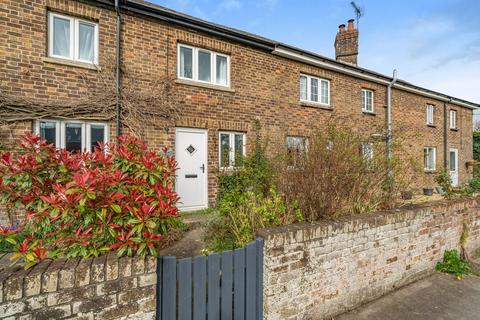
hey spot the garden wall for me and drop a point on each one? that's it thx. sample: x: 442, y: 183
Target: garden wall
x: 99, y: 288
x: 316, y: 271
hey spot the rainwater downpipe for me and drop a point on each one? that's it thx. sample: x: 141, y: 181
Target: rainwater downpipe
x: 117, y: 72
x: 445, y: 133
x: 389, y: 138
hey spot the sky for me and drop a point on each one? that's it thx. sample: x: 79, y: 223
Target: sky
x: 432, y: 43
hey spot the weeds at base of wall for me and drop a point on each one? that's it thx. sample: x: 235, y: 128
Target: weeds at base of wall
x: 452, y: 263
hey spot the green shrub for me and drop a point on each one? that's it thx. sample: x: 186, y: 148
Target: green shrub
x: 452, y: 263
x: 445, y: 182
x: 474, y: 184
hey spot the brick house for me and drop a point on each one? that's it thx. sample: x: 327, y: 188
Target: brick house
x: 223, y: 80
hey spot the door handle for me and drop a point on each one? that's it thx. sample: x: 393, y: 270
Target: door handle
x: 203, y: 168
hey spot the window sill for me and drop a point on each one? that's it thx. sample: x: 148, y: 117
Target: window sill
x: 430, y: 171
x: 431, y: 125
x: 369, y: 113
x: 316, y: 105
x: 453, y: 129
x: 203, y: 85
x: 71, y: 63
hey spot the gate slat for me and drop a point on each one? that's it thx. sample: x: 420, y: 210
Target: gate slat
x: 169, y: 297
x: 213, y: 295
x: 185, y: 289
x: 239, y: 284
x: 259, y: 243
x: 199, y: 288
x: 251, y: 286
x: 227, y: 286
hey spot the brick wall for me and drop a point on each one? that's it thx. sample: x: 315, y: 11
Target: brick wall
x: 99, y: 288
x: 316, y: 271
x: 263, y: 86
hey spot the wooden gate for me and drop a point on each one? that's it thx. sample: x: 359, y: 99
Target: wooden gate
x: 220, y: 286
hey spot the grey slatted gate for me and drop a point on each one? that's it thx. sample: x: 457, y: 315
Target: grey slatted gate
x: 221, y: 286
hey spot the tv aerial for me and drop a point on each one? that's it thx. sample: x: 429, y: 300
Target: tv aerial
x: 359, y: 12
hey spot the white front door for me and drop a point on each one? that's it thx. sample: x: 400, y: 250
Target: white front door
x: 191, y: 154
x: 453, y: 166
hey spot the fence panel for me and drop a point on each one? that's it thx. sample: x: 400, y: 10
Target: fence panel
x: 221, y: 286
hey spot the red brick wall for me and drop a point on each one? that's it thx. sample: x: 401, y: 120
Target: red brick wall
x: 264, y: 86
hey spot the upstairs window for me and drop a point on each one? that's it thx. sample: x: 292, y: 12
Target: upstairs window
x: 429, y: 158
x: 314, y: 90
x: 367, y: 100
x: 203, y: 66
x: 72, y: 38
x: 231, y: 149
x: 74, y: 136
x: 453, y: 119
x: 430, y: 111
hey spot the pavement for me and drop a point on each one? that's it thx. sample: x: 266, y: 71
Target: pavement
x: 438, y: 297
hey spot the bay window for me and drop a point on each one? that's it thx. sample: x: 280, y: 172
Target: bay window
x: 314, y: 90
x: 203, y: 66
x: 74, y: 136
x: 72, y: 38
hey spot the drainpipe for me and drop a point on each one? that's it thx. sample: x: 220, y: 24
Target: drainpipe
x: 445, y: 133
x: 117, y: 71
x: 389, y: 137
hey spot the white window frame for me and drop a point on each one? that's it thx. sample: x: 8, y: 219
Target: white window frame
x: 453, y: 119
x: 430, y: 114
x: 213, y: 65
x: 74, y: 38
x: 231, y: 152
x: 432, y: 151
x: 86, y: 134
x: 368, y: 151
x: 364, y: 101
x: 309, y: 90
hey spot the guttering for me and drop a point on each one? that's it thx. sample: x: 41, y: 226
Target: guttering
x: 197, y: 24
x: 117, y: 71
x: 359, y: 73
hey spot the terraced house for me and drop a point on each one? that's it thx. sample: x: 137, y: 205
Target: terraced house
x: 220, y: 82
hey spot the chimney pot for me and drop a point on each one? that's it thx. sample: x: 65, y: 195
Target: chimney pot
x: 350, y: 27
x: 341, y: 28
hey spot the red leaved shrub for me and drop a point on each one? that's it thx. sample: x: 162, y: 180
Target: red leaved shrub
x: 117, y: 198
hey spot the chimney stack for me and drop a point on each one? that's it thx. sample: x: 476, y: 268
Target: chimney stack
x: 346, y: 43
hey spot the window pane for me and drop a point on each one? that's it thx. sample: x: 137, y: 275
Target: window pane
x: 303, y: 88
x: 61, y: 37
x: 452, y: 161
x: 73, y: 137
x: 238, y: 150
x: 48, y: 132
x: 186, y: 63
x: 86, y: 40
x: 314, y: 89
x: 222, y: 70
x: 204, y: 66
x: 325, y: 92
x: 224, y: 150
x: 97, y: 135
